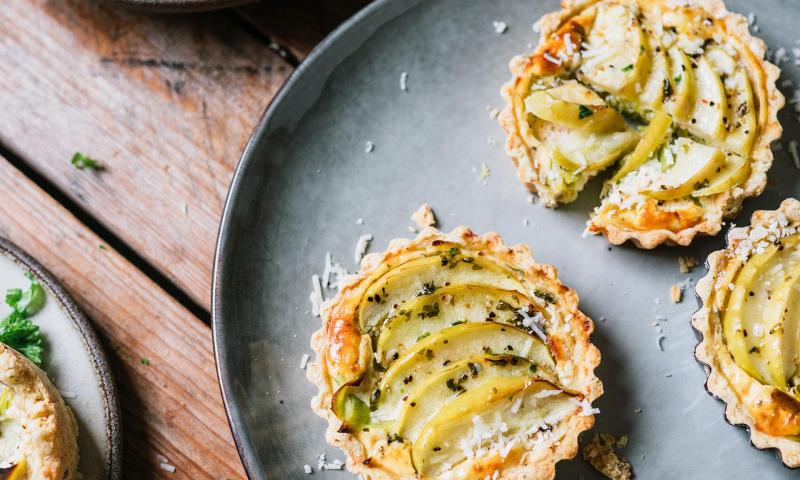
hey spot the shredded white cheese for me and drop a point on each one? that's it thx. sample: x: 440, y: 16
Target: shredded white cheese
x: 361, y: 247
x: 369, y: 147
x: 404, y: 81
x: 304, y: 361
x: 500, y: 27
x: 307, y: 469
x: 316, y: 295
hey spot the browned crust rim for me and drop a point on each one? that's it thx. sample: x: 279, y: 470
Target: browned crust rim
x: 710, y: 351
x: 728, y: 204
x: 583, y: 380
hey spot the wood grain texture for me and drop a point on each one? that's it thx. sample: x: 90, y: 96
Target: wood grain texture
x: 166, y: 102
x: 172, y: 407
x: 299, y: 25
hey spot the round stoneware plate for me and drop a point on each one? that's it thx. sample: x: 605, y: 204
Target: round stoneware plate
x: 306, y: 178
x: 75, y: 362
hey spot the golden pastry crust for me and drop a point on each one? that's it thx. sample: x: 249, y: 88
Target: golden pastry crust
x: 769, y: 414
x: 48, y: 438
x: 654, y: 223
x: 338, y: 359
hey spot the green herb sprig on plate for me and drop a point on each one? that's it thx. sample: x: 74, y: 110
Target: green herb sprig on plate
x: 16, y: 329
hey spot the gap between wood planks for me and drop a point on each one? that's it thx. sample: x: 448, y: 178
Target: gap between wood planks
x: 107, y: 235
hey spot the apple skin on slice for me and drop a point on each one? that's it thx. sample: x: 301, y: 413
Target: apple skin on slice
x: 710, y: 104
x: 458, y: 378
x: 741, y: 125
x: 652, y: 93
x: 578, y: 150
x: 574, y: 106
x: 615, y: 58
x: 423, y: 276
x: 429, y: 354
x: 518, y: 402
x: 679, y: 89
x: 694, y: 164
x: 654, y: 136
x: 450, y: 305
x: 734, y: 172
x: 780, y: 324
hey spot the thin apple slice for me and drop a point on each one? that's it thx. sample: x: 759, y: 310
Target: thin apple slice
x: 448, y: 306
x: 743, y: 125
x: 654, y: 136
x: 423, y: 276
x: 574, y: 106
x: 429, y: 355
x: 615, y: 57
x: 517, y: 406
x: 735, y: 171
x: 780, y: 324
x: 761, y: 339
x: 679, y: 87
x: 710, y: 104
x: 652, y: 91
x: 694, y: 164
x: 577, y: 150
x: 457, y: 379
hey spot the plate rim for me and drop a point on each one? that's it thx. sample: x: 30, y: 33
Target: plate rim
x: 246, y: 455
x: 100, y: 363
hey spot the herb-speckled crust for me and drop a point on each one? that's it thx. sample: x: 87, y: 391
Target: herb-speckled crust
x: 49, y: 435
x: 727, y: 381
x: 763, y: 76
x: 375, y: 458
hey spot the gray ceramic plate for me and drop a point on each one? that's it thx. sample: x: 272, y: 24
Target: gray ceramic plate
x: 76, y: 364
x: 305, y: 178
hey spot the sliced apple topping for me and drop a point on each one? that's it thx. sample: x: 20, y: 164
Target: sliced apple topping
x: 574, y: 106
x: 707, y: 119
x: 694, y: 164
x: 654, y: 136
x: 449, y: 306
x: 614, y: 59
x: 438, y: 350
x: 734, y: 172
x: 679, y: 87
x: 652, y: 90
x: 761, y: 315
x: 514, y: 406
x: 424, y: 276
x: 430, y: 398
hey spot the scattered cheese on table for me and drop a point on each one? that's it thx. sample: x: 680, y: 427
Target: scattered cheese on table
x: 361, y: 247
x: 424, y: 216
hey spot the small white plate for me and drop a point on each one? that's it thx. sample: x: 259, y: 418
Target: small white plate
x: 75, y: 362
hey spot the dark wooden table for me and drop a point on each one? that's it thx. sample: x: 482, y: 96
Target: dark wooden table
x: 166, y: 103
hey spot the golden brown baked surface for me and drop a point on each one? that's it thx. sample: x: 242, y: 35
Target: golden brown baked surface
x: 688, y: 73
x: 453, y: 355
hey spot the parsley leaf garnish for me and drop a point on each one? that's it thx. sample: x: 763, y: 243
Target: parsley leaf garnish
x: 584, y: 111
x: 678, y: 79
x: 16, y: 329
x: 627, y: 68
x: 81, y: 161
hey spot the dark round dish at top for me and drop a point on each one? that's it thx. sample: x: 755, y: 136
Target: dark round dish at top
x: 88, y: 384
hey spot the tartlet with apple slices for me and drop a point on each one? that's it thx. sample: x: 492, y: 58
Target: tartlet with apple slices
x: 749, y: 321
x: 455, y: 356
x: 690, y: 77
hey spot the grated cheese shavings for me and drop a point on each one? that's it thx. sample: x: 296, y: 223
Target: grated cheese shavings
x: 361, y: 247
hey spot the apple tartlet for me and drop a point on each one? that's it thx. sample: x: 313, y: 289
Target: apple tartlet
x: 676, y: 95
x: 750, y: 325
x: 455, y: 356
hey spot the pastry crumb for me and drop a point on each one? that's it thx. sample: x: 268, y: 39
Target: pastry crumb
x: 686, y: 264
x: 600, y: 454
x: 424, y: 216
x: 500, y: 27
x: 676, y: 293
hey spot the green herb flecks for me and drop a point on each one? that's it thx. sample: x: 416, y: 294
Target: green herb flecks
x: 144, y: 361
x: 81, y: 161
x: 627, y: 68
x: 424, y: 336
x: 584, y: 111
x: 546, y: 296
x: 16, y: 329
x: 429, y: 311
x: 678, y: 79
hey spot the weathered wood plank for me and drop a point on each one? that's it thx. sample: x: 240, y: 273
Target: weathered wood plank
x: 172, y: 407
x: 299, y: 25
x: 166, y: 102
